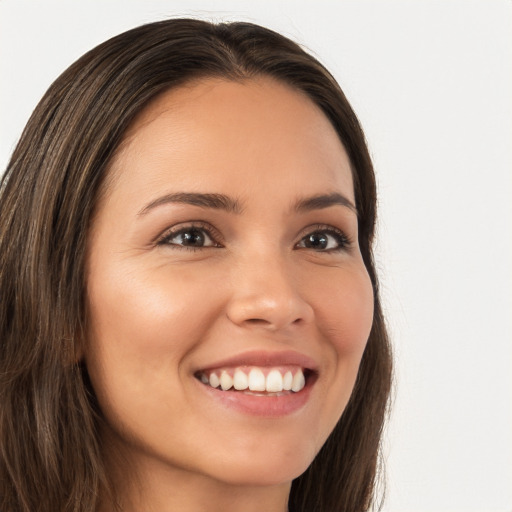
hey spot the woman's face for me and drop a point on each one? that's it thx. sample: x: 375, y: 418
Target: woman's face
x: 225, y: 250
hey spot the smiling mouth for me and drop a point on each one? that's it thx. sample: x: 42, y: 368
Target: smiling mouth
x: 259, y: 381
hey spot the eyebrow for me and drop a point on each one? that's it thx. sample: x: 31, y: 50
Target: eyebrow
x: 215, y: 201
x: 324, y: 201
x: 223, y: 202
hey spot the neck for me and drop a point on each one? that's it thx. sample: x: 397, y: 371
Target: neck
x: 155, y: 486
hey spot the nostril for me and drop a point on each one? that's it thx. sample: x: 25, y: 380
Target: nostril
x: 262, y: 322
x: 257, y: 321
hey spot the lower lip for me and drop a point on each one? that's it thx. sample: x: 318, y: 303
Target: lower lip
x: 270, y: 406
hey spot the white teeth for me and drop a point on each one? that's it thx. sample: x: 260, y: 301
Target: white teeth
x: 287, y: 381
x: 257, y: 380
x: 240, y: 380
x: 214, y: 380
x: 226, y: 382
x: 298, y: 381
x: 274, y: 381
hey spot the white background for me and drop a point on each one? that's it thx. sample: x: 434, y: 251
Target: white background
x: 432, y: 85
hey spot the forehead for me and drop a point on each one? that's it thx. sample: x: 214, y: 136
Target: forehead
x: 217, y: 135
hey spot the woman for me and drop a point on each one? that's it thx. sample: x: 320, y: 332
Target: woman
x: 190, y: 314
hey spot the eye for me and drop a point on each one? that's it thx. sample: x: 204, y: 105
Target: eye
x: 325, y: 240
x: 189, y: 237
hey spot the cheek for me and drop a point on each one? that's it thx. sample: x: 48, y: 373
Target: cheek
x: 345, y: 312
x: 345, y: 320
x: 141, y: 328
x: 148, y: 311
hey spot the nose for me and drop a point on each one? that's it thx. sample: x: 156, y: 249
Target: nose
x: 265, y: 295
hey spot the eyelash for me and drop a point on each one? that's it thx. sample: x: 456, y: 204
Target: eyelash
x: 210, y: 232
x: 341, y: 238
x: 344, y: 242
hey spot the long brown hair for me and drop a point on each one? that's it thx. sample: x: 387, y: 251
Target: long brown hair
x: 50, y: 455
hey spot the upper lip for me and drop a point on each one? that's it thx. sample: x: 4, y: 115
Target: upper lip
x: 265, y: 358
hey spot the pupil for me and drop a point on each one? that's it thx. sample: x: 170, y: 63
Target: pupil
x: 316, y: 241
x: 193, y: 237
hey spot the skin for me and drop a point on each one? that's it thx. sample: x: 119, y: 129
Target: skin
x: 159, y: 311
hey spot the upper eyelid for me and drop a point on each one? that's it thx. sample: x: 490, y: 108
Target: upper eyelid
x: 345, y: 244
x: 323, y: 227
x: 217, y: 237
x: 212, y: 232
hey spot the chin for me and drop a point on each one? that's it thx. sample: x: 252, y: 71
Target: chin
x: 264, y: 476
x: 264, y: 468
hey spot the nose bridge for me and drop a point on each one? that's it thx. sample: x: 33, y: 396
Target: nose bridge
x: 265, y: 292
